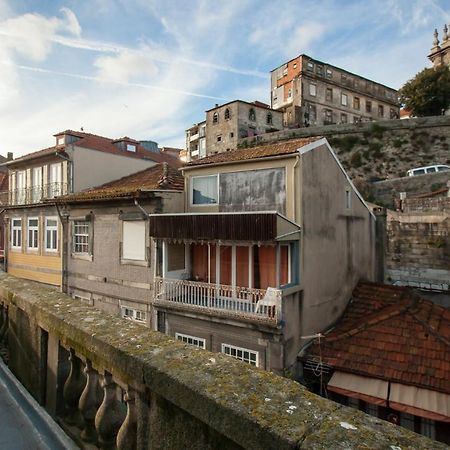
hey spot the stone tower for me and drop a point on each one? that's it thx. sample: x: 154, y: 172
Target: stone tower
x: 440, y: 54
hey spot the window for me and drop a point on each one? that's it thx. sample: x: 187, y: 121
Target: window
x: 231, y: 135
x: 344, y: 118
x: 134, y: 314
x: 312, y: 113
x: 55, y: 180
x: 393, y: 114
x: 133, y: 240
x: 275, y: 99
x: 131, y: 148
x: 344, y: 78
x: 269, y: 119
x: 81, y: 236
x: 51, y: 234
x: 215, y: 117
x: 319, y: 70
x: 197, y: 342
x: 290, y: 93
x: 344, y: 99
x: 356, y: 119
x: 204, y: 190
x: 329, y: 95
x: 33, y: 233
x: 60, y: 140
x: 219, y: 138
x: 380, y: 111
x: 329, y: 73
x: 356, y: 103
x: 251, y: 114
x: 243, y: 354
x: 312, y: 89
x: 294, y: 65
x: 36, y: 191
x: 328, y: 116
x: 16, y: 233
x: 20, y: 187
x: 227, y: 114
x: 368, y: 106
x: 310, y: 66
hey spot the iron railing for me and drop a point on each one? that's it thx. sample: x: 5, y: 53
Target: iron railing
x: 35, y: 194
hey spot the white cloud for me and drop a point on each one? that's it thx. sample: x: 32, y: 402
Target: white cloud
x: 303, y: 37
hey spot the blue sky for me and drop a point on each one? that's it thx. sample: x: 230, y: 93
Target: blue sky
x: 150, y: 68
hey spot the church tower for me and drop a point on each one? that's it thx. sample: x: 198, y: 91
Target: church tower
x: 440, y: 54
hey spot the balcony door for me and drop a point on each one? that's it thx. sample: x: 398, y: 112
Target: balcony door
x: 55, y: 186
x: 36, y: 191
x: 20, y: 187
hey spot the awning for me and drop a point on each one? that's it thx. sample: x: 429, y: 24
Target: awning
x: 420, y: 402
x: 371, y: 390
x: 259, y: 226
x: 410, y: 399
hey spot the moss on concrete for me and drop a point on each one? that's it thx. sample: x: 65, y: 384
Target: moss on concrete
x: 253, y: 408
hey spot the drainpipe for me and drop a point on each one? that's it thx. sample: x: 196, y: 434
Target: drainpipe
x: 65, y: 274
x: 4, y: 242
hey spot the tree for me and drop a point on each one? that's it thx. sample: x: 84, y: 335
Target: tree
x: 428, y: 93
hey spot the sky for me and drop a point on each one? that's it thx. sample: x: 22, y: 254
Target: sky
x: 149, y: 69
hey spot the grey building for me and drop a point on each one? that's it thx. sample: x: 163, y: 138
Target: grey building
x: 272, y: 243
x: 311, y: 92
x: 107, y: 251
x: 226, y: 124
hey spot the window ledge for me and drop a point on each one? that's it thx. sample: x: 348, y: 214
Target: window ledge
x: 83, y: 256
x: 134, y: 262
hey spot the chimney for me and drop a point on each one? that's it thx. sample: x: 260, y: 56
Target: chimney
x: 10, y: 156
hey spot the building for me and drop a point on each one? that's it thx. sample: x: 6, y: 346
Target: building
x: 311, y: 92
x: 272, y: 243
x: 75, y: 162
x: 389, y: 356
x: 226, y: 124
x: 109, y: 257
x: 440, y: 52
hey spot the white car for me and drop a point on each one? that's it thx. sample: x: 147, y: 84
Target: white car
x: 428, y: 169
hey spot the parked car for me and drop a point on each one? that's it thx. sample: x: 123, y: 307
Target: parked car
x: 428, y: 169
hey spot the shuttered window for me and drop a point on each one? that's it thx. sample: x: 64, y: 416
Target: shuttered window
x: 133, y: 240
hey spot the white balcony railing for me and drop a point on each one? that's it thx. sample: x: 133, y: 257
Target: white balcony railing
x: 246, y: 302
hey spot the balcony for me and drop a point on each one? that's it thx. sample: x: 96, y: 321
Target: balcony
x: 241, y: 302
x: 36, y: 194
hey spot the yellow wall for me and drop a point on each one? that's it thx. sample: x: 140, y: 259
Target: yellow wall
x: 36, y: 265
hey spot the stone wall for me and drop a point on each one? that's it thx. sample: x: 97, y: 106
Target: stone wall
x: 379, y: 150
x: 418, y: 243
x: 177, y: 396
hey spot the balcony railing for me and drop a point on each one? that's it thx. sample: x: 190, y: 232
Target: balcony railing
x: 35, y: 194
x: 242, y: 301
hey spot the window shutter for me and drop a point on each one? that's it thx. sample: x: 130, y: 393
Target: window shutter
x: 134, y: 240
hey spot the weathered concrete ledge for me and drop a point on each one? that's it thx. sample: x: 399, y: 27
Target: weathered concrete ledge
x: 230, y: 404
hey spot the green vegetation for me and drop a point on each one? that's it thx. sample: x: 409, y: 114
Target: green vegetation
x: 356, y: 160
x: 428, y: 93
x: 345, y: 144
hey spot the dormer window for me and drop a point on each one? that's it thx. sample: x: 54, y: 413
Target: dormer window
x: 131, y: 148
x: 60, y: 140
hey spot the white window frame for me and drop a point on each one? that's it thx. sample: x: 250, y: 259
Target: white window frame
x: 312, y: 89
x: 16, y: 232
x: 34, y: 229
x: 236, y: 350
x: 36, y: 184
x: 75, y: 235
x: 131, y: 148
x: 191, y: 189
x: 137, y: 315
x: 192, y: 340
x: 53, y: 240
x: 344, y: 99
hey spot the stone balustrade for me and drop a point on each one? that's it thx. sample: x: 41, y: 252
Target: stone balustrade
x: 114, y: 384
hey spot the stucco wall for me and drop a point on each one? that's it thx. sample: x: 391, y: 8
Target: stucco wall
x: 338, y: 242
x: 93, y: 168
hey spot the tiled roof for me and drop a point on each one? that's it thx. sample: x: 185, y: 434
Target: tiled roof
x: 159, y: 177
x: 391, y: 333
x: 102, y: 144
x: 262, y: 151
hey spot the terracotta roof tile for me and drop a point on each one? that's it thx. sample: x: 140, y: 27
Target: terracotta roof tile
x: 102, y: 144
x: 159, y: 177
x: 389, y: 332
x: 262, y: 151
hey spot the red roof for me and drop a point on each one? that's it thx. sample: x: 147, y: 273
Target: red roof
x: 102, y: 144
x: 391, y: 333
x: 156, y: 178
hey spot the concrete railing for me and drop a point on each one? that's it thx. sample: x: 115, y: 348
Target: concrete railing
x: 114, y: 383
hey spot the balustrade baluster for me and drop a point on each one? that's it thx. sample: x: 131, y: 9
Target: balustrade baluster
x: 90, y: 400
x: 73, y: 388
x: 127, y: 435
x: 109, y: 417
